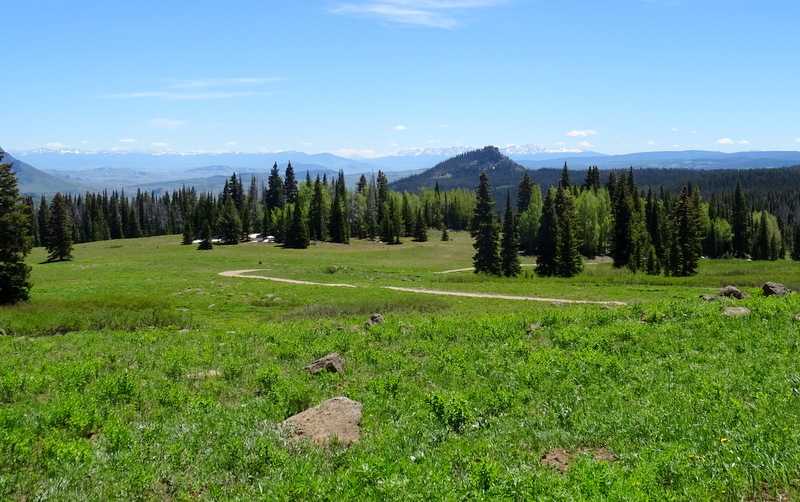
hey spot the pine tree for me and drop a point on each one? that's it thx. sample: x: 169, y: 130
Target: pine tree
x: 739, y: 224
x: 524, y: 193
x: 509, y: 244
x: 568, y: 258
x: 43, y: 216
x: 548, y: 238
x: 205, y: 238
x: 485, y: 230
x: 592, y: 180
x: 420, y: 228
x: 275, y: 196
x: 229, y: 223
x: 188, y: 232
x: 15, y: 281
x: 60, y: 227
x: 565, y: 181
x: 297, y: 234
x: 445, y: 236
x: 289, y: 184
x: 796, y: 244
x: 622, y: 201
x: 318, y: 229
x: 686, y: 237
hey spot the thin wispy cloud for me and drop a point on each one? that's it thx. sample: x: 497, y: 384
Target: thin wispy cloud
x: 401, y: 128
x: 203, y: 89
x: 127, y: 140
x: 62, y: 145
x: 725, y: 141
x: 581, y: 134
x: 447, y: 14
x: 218, y: 82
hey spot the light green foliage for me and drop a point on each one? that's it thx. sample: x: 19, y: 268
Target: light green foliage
x: 593, y: 212
x: 176, y: 388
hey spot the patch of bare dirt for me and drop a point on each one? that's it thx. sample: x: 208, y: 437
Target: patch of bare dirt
x: 561, y: 458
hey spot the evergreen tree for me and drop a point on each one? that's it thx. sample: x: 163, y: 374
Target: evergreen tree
x: 686, y: 237
x: 739, y: 224
x: 548, y: 238
x: 340, y: 230
x: 318, y: 230
x: 592, y: 180
x: 43, y: 216
x: 33, y: 222
x: 565, y: 182
x: 392, y: 223
x: 509, y: 244
x: 362, y: 184
x: 275, y: 197
x: 524, y: 193
x: 568, y: 258
x: 15, y: 281
x: 297, y: 234
x: 622, y: 201
x: 289, y: 184
x: 60, y: 227
x: 205, y: 238
x: 230, y: 224
x: 485, y: 231
x: 796, y: 244
x: 408, y: 217
x: 420, y: 228
x: 188, y: 232
x: 445, y: 236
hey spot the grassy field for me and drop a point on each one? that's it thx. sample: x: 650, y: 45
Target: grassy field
x: 105, y: 390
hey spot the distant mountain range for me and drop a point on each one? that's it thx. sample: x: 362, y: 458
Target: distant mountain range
x: 46, y: 171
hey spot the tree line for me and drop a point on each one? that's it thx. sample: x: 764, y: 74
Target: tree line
x: 646, y: 232
x: 653, y: 233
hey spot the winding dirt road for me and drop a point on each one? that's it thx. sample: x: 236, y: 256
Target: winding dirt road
x: 248, y: 274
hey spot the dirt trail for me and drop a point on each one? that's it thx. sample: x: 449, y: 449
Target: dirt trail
x: 243, y: 273
x: 247, y: 275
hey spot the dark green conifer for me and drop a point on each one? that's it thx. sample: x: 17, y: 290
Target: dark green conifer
x: 60, y: 228
x: 485, y: 231
x: 509, y: 244
x: 15, y: 281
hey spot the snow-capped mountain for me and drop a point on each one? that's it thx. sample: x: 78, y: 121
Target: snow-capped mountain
x: 445, y: 152
x: 534, y: 150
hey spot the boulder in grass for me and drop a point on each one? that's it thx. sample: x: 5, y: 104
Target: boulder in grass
x: 335, y: 418
x: 732, y: 291
x: 331, y: 362
x: 708, y: 298
x: 775, y: 289
x: 373, y: 320
x: 736, y: 311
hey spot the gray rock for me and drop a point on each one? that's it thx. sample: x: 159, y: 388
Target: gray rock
x: 331, y: 362
x: 734, y: 292
x: 373, y: 320
x: 775, y: 289
x: 708, y: 298
x: 335, y: 418
x: 736, y: 311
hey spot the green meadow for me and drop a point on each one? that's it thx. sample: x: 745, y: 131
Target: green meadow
x: 137, y: 372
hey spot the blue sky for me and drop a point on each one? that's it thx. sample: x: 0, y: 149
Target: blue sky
x: 377, y: 76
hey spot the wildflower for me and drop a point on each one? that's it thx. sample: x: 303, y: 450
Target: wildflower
x: 723, y: 439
